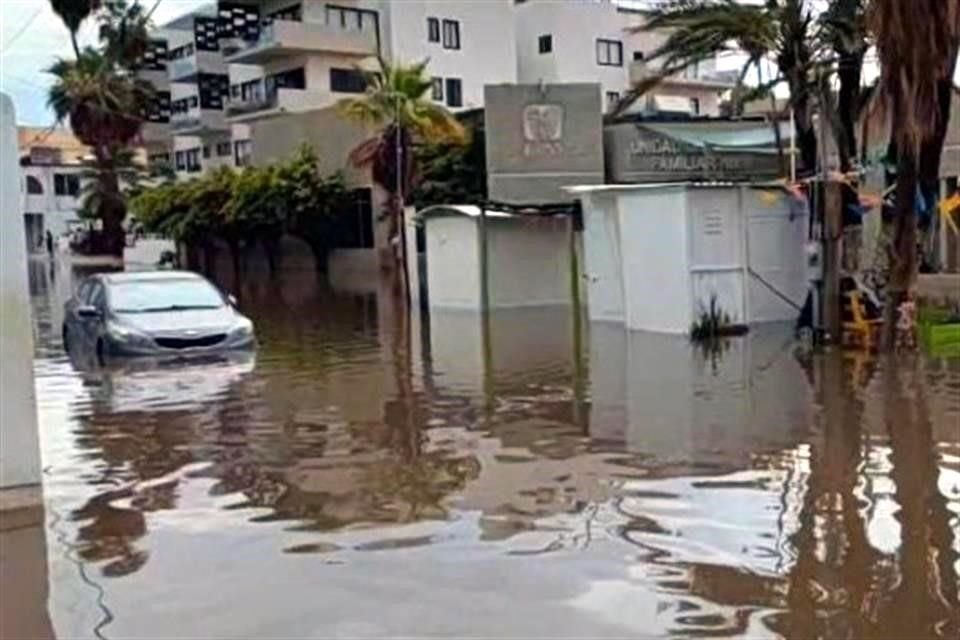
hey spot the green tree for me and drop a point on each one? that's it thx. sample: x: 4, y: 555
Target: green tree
x: 312, y: 203
x: 397, y: 103
x: 453, y: 172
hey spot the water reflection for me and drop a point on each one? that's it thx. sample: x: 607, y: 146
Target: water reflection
x: 657, y: 490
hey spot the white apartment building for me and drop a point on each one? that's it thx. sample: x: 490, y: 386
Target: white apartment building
x: 310, y: 52
x: 50, y: 195
x: 593, y: 41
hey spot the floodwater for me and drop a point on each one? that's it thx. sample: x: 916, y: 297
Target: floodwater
x: 362, y: 475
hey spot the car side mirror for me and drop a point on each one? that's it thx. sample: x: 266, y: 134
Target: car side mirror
x: 232, y: 298
x: 88, y: 311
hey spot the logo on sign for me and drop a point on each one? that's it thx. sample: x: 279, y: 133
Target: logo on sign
x: 542, y: 129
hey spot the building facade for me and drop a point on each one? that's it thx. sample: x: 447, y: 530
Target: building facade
x: 596, y: 41
x: 51, y: 183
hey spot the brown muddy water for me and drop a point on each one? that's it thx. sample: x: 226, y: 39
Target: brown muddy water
x: 362, y: 475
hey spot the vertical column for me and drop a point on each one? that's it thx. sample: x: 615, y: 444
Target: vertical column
x: 19, y: 442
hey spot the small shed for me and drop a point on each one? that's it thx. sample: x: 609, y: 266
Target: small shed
x: 481, y: 259
x: 655, y: 254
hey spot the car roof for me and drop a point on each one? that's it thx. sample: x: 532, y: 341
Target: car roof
x: 147, y: 276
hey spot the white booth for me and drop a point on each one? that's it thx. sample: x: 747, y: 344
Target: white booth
x: 496, y: 260
x: 655, y: 254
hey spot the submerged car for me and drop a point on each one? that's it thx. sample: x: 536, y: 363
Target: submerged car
x: 153, y: 313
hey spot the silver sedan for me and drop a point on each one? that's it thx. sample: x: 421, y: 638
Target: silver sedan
x: 153, y: 313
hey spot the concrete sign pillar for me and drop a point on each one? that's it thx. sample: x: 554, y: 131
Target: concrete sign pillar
x: 19, y: 441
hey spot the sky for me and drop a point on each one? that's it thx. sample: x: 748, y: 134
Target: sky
x: 32, y: 38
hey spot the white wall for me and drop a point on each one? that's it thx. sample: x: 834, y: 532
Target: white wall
x: 19, y: 441
x: 603, y: 267
x: 487, y: 53
x: 653, y: 235
x: 716, y: 258
x: 528, y: 262
x: 58, y: 211
x: 453, y: 262
x: 575, y: 26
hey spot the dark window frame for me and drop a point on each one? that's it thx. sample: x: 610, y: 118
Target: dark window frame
x: 224, y: 149
x: 433, y: 29
x: 453, y: 41
x: 242, y: 159
x: 454, y: 91
x: 192, y: 157
x: 347, y: 80
x: 33, y: 185
x: 612, y: 98
x: 436, y: 89
x: 66, y: 185
x: 545, y: 43
x: 609, y: 47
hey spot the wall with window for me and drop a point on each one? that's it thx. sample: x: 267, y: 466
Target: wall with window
x: 469, y: 40
x: 53, y: 192
x: 574, y: 29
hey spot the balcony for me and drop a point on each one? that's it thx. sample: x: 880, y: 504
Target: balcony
x: 277, y: 101
x: 198, y: 122
x: 716, y: 80
x: 187, y: 69
x: 153, y: 132
x: 282, y: 38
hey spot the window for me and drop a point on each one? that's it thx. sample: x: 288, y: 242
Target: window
x: 454, y: 92
x: 180, y: 161
x: 242, y: 150
x: 351, y: 19
x: 158, y: 159
x: 206, y: 151
x: 98, y: 296
x: 451, y: 34
x: 609, y: 53
x: 193, y: 160
x: 33, y: 186
x: 433, y: 30
x: 437, y: 93
x: 545, y: 44
x: 66, y: 184
x: 638, y: 56
x: 223, y: 149
x: 695, y: 106
x: 347, y: 81
x: 293, y: 13
x: 613, y: 97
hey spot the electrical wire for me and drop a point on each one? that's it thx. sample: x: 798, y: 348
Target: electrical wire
x: 21, y: 31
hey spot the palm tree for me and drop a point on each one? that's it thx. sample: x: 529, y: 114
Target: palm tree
x: 778, y: 29
x: 915, y: 89
x: 103, y: 100
x: 104, y: 110
x: 73, y: 13
x: 396, y: 103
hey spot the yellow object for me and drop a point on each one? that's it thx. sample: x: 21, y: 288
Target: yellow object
x: 860, y: 330
x: 947, y: 207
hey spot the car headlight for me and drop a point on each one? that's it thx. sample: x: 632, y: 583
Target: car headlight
x: 127, y: 334
x: 243, y: 328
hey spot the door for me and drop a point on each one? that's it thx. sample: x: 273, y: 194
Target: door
x: 603, y: 267
x: 776, y: 236
x: 33, y: 231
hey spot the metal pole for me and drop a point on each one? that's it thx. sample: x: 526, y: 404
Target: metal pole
x: 793, y: 146
x: 401, y: 214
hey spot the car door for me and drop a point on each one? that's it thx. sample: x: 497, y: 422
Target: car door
x: 92, y: 326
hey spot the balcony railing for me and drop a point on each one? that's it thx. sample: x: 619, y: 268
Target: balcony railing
x: 286, y: 37
x: 641, y: 70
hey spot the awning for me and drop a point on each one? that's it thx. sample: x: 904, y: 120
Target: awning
x: 728, y: 136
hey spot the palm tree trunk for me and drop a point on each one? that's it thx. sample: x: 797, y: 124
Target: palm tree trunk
x: 805, y: 133
x: 73, y: 41
x: 112, y: 209
x: 903, y: 259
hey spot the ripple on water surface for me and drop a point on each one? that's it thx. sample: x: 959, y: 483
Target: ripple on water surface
x: 361, y: 474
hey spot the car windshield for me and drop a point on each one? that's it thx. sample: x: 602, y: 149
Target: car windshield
x: 169, y: 295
